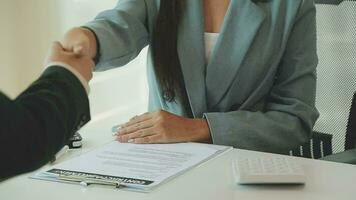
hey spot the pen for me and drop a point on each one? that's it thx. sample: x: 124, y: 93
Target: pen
x: 60, y: 153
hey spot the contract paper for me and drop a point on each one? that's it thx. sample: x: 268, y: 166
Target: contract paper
x: 136, y: 166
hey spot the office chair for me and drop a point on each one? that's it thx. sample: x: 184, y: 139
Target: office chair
x: 350, y: 142
x: 334, y: 132
x: 349, y: 155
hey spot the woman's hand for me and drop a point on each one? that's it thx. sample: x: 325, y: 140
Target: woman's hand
x: 163, y: 127
x: 80, y: 41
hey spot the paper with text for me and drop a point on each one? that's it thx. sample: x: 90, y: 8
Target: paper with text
x: 139, y: 166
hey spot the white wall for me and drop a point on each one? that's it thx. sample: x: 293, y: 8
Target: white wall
x: 25, y: 35
x: 7, y: 74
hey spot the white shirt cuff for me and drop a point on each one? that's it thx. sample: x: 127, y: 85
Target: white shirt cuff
x: 74, y: 71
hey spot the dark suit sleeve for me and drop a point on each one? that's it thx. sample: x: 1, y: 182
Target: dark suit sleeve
x: 38, y: 123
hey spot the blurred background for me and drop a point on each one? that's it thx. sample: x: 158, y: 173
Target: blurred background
x: 27, y: 29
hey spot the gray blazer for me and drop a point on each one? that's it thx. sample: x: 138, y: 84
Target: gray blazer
x: 258, y: 90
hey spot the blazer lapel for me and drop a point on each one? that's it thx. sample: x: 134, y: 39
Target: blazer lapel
x: 241, y: 23
x: 191, y: 55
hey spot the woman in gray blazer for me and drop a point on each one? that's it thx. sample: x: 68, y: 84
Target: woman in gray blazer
x: 256, y: 91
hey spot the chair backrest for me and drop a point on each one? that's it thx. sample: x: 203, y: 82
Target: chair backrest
x: 336, y: 84
x: 350, y: 141
x: 336, y: 76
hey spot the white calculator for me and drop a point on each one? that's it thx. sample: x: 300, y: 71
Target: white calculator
x: 267, y: 170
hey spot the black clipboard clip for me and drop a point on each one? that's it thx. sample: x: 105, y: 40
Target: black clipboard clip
x: 89, y: 180
x: 75, y: 141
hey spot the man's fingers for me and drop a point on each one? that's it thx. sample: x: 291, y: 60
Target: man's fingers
x: 57, y: 46
x: 79, y: 50
x: 55, y: 49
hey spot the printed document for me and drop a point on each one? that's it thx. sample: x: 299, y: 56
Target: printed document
x: 135, y: 165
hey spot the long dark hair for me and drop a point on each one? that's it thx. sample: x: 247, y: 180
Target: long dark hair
x: 164, y: 50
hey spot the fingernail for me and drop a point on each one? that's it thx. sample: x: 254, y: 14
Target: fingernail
x: 78, y: 49
x: 131, y: 141
x: 115, y: 128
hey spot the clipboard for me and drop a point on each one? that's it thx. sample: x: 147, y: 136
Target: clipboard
x: 131, y: 166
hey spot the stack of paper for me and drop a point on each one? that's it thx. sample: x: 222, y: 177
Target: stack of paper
x: 138, y: 167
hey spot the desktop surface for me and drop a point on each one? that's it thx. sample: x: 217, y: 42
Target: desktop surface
x: 211, y: 180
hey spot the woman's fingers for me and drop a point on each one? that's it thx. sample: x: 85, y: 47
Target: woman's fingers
x: 135, y: 123
x: 137, y: 134
x: 163, y: 127
x: 138, y: 118
x: 153, y: 139
x: 134, y: 127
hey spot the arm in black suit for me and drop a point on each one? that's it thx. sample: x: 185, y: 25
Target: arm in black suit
x: 39, y: 122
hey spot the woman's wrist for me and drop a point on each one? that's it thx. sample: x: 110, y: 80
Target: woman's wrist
x: 202, y: 131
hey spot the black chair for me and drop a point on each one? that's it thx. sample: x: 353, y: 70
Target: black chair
x: 320, y: 145
x: 350, y: 142
x: 349, y: 155
x: 334, y: 136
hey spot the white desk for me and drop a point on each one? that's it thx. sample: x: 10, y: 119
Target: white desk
x: 212, y: 180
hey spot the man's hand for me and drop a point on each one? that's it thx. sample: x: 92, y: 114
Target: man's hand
x: 83, y: 64
x: 80, y: 41
x: 163, y: 127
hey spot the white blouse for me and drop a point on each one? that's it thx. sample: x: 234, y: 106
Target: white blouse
x: 210, y: 42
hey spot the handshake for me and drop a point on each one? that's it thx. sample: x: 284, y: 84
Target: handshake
x: 77, y: 49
